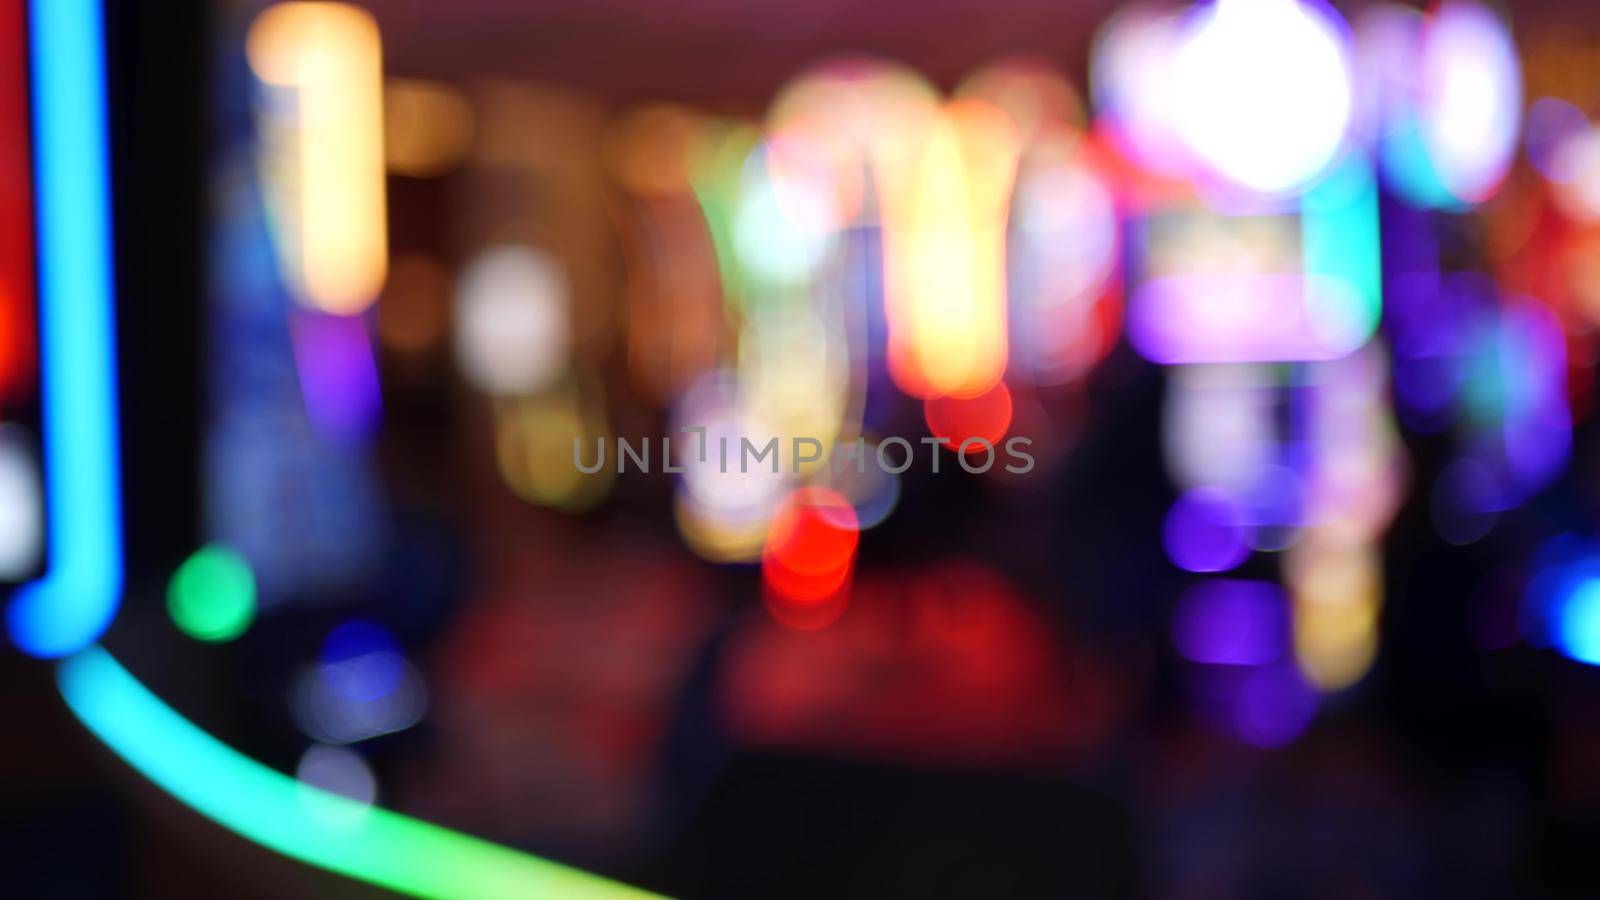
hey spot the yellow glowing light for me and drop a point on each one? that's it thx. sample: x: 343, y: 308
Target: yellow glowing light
x: 534, y: 446
x: 719, y: 538
x: 427, y: 127
x: 1338, y: 591
x: 1064, y: 230
x: 1335, y: 645
x: 1358, y: 475
x: 327, y: 149
x: 945, y: 204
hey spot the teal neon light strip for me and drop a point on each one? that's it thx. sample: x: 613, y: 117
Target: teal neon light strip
x: 1339, y: 242
x: 324, y: 829
x: 75, y: 601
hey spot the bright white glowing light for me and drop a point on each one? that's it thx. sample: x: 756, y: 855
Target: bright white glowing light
x: 1471, y: 101
x: 724, y: 499
x: 336, y: 703
x: 337, y: 770
x: 21, y: 506
x: 1262, y: 92
x: 726, y: 482
x: 513, y: 329
x: 1131, y: 77
x: 1217, y: 426
x: 1063, y: 252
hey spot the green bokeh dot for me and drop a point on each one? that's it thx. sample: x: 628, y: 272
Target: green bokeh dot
x: 212, y: 596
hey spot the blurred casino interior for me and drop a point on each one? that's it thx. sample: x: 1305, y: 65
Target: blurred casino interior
x: 1184, y: 419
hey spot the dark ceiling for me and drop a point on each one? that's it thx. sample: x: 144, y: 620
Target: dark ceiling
x: 720, y: 51
x: 736, y: 53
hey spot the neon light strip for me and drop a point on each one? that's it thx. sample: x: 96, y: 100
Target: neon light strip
x: 75, y: 601
x: 297, y: 820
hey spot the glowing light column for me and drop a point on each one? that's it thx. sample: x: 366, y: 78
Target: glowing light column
x: 323, y: 165
x: 78, y: 598
x: 946, y: 195
x: 1271, y: 255
x: 327, y: 58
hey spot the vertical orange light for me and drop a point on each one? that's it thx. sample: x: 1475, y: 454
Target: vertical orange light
x: 945, y: 197
x: 328, y: 57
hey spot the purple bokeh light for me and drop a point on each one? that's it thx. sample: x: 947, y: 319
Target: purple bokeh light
x: 1274, y: 706
x: 1205, y: 531
x: 1231, y: 622
x: 338, y: 375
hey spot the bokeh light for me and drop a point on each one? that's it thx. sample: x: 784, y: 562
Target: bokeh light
x: 810, y: 547
x: 598, y: 408
x: 325, y: 62
x: 212, y: 595
x: 1262, y: 90
x: 1205, y: 531
x: 966, y: 424
x: 513, y: 327
x: 1231, y: 623
x: 341, y: 771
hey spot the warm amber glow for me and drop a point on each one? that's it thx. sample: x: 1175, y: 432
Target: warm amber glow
x: 533, y: 445
x: 945, y: 198
x: 1338, y: 592
x: 327, y: 58
x: 428, y: 127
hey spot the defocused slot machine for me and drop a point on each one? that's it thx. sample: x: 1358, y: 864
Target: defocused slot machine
x: 493, y: 449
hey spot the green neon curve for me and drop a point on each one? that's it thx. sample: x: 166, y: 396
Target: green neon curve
x: 314, y: 826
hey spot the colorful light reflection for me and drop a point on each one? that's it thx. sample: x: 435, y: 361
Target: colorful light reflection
x: 1254, y: 300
